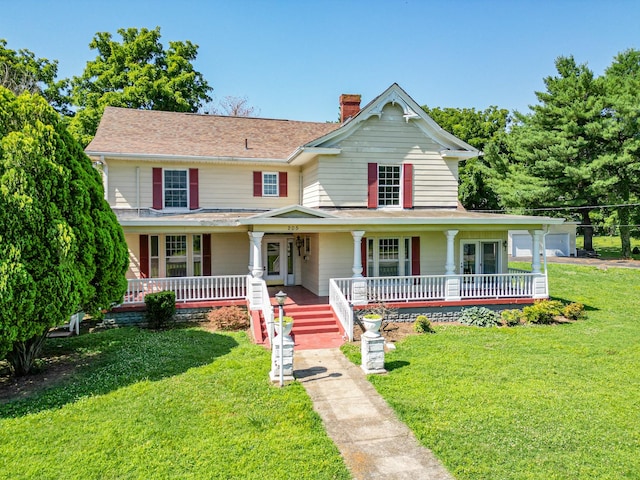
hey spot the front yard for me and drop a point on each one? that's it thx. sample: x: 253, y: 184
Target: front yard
x: 530, y: 402
x: 183, y: 403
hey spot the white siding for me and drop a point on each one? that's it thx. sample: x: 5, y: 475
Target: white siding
x: 229, y: 253
x: 133, y: 242
x: 390, y: 140
x: 311, y: 187
x: 219, y: 185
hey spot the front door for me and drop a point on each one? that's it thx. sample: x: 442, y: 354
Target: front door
x: 278, y: 261
x: 479, y: 257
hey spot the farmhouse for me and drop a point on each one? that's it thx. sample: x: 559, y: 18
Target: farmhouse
x: 217, y: 207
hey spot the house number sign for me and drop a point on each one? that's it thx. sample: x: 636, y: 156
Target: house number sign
x: 293, y: 228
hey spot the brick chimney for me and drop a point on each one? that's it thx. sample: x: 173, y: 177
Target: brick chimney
x: 349, y: 106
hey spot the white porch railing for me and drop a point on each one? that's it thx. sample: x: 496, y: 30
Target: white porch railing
x: 341, y: 307
x: 267, y: 312
x: 189, y: 289
x: 434, y: 287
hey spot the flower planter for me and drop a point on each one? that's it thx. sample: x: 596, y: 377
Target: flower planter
x: 287, y: 325
x: 372, y: 323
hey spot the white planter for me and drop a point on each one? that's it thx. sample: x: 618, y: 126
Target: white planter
x: 372, y: 323
x: 287, y: 326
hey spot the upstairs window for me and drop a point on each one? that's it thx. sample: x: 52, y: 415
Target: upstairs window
x: 269, y: 184
x: 176, y: 189
x: 388, y: 185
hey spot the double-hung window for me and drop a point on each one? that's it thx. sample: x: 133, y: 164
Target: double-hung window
x: 269, y: 184
x: 176, y: 189
x: 388, y: 185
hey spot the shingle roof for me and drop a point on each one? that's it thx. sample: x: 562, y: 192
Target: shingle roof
x: 152, y: 132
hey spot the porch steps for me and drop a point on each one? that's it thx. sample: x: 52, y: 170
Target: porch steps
x: 314, y: 326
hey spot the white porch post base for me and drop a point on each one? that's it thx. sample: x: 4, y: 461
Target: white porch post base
x: 540, y: 287
x: 287, y: 359
x: 372, y: 349
x: 255, y: 293
x: 359, y: 294
x: 452, y: 288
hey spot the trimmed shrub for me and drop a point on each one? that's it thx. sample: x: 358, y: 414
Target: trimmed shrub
x: 543, y: 311
x: 479, y: 317
x: 161, y: 308
x: 574, y: 311
x: 229, y: 318
x: 422, y: 325
x: 511, y: 318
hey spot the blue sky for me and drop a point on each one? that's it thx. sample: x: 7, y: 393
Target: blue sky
x: 293, y: 59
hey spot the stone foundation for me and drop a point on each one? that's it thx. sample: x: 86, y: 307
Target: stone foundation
x: 136, y: 316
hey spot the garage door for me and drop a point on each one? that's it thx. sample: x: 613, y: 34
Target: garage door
x: 557, y: 245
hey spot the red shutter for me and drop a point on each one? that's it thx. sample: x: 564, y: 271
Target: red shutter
x: 415, y: 255
x: 157, y: 188
x: 407, y: 186
x: 194, y: 201
x: 144, y: 256
x: 282, y: 184
x: 257, y: 184
x: 206, y: 254
x: 372, y: 186
x: 363, y: 256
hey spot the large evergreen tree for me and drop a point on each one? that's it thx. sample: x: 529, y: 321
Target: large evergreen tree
x: 137, y: 73
x: 618, y: 169
x: 61, y: 248
x: 554, y: 146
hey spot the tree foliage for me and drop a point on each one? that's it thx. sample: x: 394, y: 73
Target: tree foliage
x: 61, y: 247
x: 618, y: 168
x: 21, y: 71
x: 554, y: 146
x: 484, y: 130
x: 136, y: 73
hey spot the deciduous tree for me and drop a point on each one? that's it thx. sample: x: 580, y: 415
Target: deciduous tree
x: 482, y: 129
x: 61, y: 247
x: 21, y: 71
x: 136, y: 73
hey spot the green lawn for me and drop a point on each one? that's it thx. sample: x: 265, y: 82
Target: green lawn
x: 531, y: 402
x: 609, y: 247
x: 184, y: 404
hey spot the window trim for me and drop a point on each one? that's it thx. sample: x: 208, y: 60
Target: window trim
x: 186, y: 189
x: 399, y: 185
x: 276, y: 177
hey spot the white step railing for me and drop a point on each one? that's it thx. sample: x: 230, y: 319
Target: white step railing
x: 189, y: 289
x: 341, y: 307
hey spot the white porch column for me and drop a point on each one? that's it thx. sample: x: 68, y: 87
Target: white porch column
x: 256, y: 254
x: 357, y: 253
x: 452, y: 283
x: 250, y: 252
x: 450, y: 265
x: 536, y: 235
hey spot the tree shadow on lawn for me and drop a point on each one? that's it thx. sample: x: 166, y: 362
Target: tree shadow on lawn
x: 112, y: 359
x: 566, y: 301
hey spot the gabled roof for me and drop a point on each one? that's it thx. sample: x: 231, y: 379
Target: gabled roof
x: 152, y: 133
x: 452, y: 146
x: 293, y: 211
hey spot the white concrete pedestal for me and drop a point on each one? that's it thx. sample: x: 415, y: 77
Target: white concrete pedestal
x: 287, y: 359
x: 372, y: 349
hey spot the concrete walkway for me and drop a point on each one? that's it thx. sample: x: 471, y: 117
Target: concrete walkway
x: 373, y: 442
